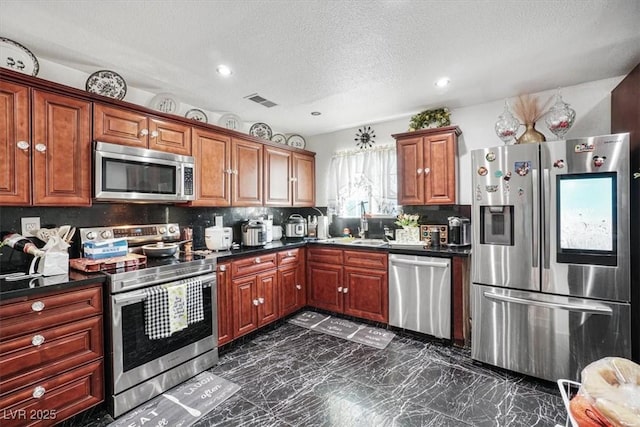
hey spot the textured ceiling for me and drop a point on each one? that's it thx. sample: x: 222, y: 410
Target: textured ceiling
x: 357, y: 62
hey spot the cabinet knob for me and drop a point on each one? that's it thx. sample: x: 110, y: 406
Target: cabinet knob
x: 289, y: 253
x: 144, y: 132
x: 37, y: 340
x: 23, y: 145
x: 340, y: 289
x: 419, y: 171
x: 256, y: 302
x: 154, y: 134
x: 41, y: 148
x: 235, y: 171
x: 426, y: 171
x: 345, y: 290
x: 261, y: 300
x: 37, y: 306
x: 222, y: 268
x: 257, y: 260
x: 38, y: 392
x: 298, y: 287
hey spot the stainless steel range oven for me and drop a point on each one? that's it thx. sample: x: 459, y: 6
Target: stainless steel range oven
x: 142, y: 366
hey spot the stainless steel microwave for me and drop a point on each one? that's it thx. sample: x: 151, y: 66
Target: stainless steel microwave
x: 123, y: 173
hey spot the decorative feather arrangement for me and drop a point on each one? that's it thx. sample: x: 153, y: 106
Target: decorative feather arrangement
x: 528, y: 110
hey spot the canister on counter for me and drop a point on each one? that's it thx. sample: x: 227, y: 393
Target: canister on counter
x: 435, y: 237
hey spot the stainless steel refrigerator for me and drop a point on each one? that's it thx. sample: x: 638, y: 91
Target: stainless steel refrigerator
x: 550, y: 271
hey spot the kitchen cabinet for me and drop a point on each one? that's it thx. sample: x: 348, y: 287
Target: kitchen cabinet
x: 352, y: 282
x: 46, y: 148
x: 291, y: 281
x: 289, y: 178
x: 247, y: 167
x: 212, y: 154
x: 127, y: 127
x: 427, y: 163
x: 225, y: 301
x: 51, y: 354
x: 255, y: 295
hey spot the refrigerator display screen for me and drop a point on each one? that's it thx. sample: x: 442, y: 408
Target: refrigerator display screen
x: 587, y: 212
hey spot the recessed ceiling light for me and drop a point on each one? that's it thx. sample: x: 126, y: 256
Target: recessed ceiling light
x: 443, y: 82
x: 223, y: 70
x: 315, y: 113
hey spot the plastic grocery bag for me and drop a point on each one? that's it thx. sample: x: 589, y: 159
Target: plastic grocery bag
x: 609, y: 394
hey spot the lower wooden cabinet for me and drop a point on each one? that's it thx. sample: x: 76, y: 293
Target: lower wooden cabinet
x: 225, y: 302
x: 51, y: 356
x: 359, y: 288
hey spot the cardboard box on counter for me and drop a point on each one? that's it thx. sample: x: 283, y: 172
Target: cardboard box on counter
x: 106, y: 249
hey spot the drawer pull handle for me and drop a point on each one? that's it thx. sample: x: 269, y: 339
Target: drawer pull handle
x: 289, y: 253
x: 37, y: 340
x: 144, y: 132
x: 37, y: 306
x: 256, y: 302
x: 38, y: 392
x: 41, y: 148
x: 298, y: 287
x: 154, y: 134
x: 257, y: 260
x: 261, y: 300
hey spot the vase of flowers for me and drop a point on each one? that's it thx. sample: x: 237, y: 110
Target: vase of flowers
x: 410, y: 232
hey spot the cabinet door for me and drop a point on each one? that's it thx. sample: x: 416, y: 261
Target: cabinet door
x: 304, y: 180
x: 62, y: 150
x: 172, y: 137
x: 245, y: 301
x: 440, y: 169
x: 212, y: 153
x: 15, y: 145
x: 246, y: 158
x: 410, y: 172
x: 277, y: 177
x: 120, y: 126
x: 324, y: 283
x: 292, y: 290
x: 366, y: 294
x: 268, y: 301
x: 225, y: 302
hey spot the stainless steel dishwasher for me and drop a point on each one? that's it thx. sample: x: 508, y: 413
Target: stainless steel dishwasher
x: 420, y: 294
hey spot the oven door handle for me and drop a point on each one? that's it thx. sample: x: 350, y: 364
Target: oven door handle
x: 139, y: 295
x: 185, y: 273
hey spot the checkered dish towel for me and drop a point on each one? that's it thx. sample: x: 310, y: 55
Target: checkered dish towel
x: 157, y: 313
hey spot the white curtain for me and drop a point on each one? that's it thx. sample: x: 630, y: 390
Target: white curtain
x: 363, y: 175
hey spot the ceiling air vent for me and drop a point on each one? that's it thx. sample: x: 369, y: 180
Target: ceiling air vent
x: 260, y: 100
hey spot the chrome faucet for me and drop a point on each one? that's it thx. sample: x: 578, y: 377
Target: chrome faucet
x: 364, y: 224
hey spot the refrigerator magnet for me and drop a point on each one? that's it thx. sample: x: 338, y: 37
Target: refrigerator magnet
x: 522, y: 168
x: 482, y: 171
x: 491, y: 156
x: 558, y: 164
x: 507, y: 176
x: 584, y: 148
x: 478, y: 192
x: 598, y: 161
x: 491, y: 188
x: 498, y: 174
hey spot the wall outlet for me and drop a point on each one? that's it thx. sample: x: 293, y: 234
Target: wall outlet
x: 30, y: 226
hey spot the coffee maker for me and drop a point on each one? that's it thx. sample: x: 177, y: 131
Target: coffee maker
x: 459, y: 232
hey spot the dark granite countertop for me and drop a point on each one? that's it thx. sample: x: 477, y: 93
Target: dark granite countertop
x: 39, y: 285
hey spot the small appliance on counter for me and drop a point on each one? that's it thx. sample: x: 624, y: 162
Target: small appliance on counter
x: 218, y: 238
x: 295, y: 226
x: 322, y: 230
x: 254, y: 233
x: 459, y: 231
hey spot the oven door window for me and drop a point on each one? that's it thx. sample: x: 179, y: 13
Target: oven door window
x: 138, y: 349
x: 587, y: 218
x: 138, y: 177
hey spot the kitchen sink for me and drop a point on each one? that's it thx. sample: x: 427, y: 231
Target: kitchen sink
x: 351, y: 241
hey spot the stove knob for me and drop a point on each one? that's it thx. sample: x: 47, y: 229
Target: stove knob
x: 162, y: 230
x: 172, y: 229
x: 106, y: 234
x: 91, y: 235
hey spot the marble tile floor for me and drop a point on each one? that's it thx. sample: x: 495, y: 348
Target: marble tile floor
x: 291, y: 376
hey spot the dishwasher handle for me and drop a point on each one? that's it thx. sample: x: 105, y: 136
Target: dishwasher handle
x: 420, y: 263
x: 582, y: 308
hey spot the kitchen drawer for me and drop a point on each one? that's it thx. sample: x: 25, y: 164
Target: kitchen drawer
x: 325, y: 256
x: 290, y: 256
x: 35, y: 314
x: 366, y: 259
x: 64, y: 347
x: 64, y: 396
x: 253, y: 265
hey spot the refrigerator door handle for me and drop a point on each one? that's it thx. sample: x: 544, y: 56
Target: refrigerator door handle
x: 582, y: 308
x: 535, y: 224
x: 546, y: 205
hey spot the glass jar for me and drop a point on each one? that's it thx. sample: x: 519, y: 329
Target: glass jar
x: 560, y: 117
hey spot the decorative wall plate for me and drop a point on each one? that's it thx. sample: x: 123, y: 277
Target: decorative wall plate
x: 16, y: 57
x: 165, y: 102
x: 230, y: 121
x: 107, y: 83
x: 197, y: 115
x: 296, y: 141
x: 279, y: 138
x: 261, y: 130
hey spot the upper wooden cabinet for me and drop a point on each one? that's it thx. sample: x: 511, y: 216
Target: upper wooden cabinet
x: 46, y: 149
x: 427, y: 164
x: 128, y: 127
x: 212, y: 153
x: 246, y: 161
x: 289, y: 178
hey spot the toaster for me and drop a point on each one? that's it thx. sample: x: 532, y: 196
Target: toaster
x: 218, y: 238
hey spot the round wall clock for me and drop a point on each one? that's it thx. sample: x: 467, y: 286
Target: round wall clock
x: 365, y: 137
